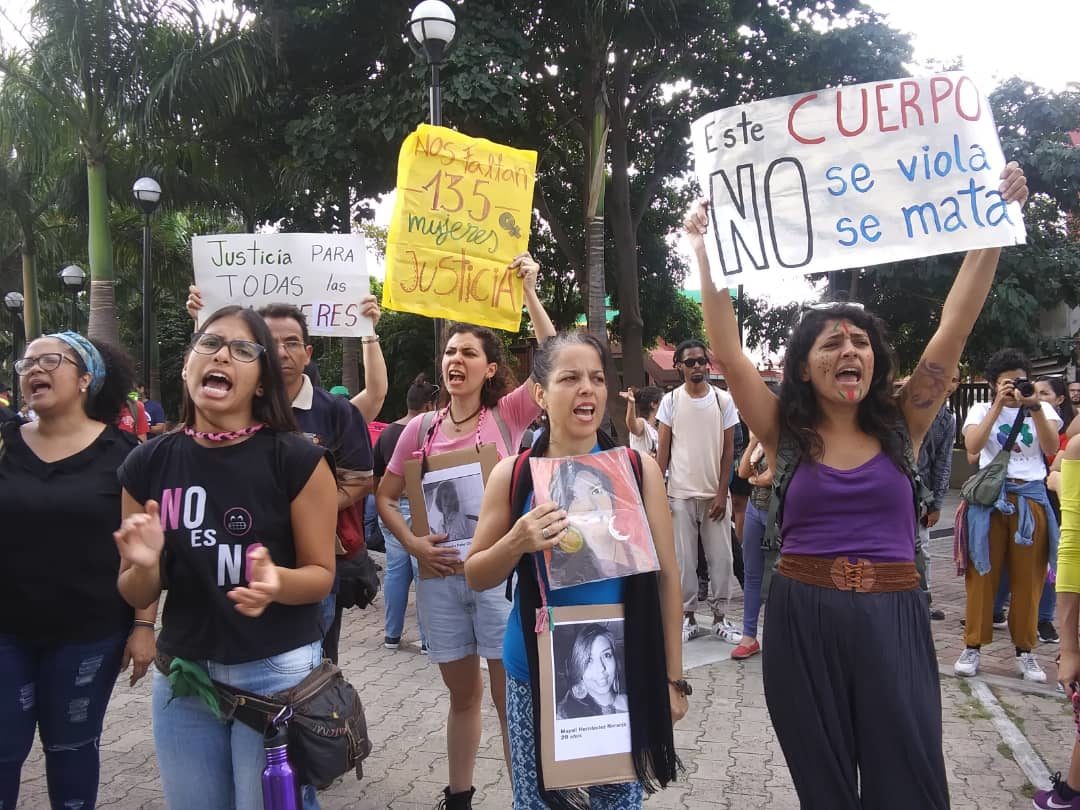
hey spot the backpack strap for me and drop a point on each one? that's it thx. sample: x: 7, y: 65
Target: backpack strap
x: 788, y: 456
x: 425, y: 425
x: 515, y: 491
x: 504, y: 431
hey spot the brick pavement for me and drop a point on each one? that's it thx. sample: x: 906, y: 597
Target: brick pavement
x: 726, y: 742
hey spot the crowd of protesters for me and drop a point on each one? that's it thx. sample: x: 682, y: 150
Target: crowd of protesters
x: 818, y: 496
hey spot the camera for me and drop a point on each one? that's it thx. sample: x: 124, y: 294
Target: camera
x: 1024, y: 387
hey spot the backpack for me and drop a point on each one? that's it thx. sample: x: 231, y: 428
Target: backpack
x: 788, y: 457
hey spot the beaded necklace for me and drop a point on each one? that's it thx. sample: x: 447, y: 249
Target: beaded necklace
x: 224, y: 436
x: 433, y: 431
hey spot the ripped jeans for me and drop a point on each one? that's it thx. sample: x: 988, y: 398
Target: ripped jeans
x: 63, y: 690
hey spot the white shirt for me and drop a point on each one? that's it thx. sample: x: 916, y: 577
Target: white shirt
x: 647, y: 442
x: 697, y: 440
x: 1026, y: 462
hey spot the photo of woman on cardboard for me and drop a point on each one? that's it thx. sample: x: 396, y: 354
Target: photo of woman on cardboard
x: 608, y: 535
x: 589, y: 670
x: 452, y: 498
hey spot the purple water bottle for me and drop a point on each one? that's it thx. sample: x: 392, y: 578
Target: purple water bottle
x: 280, y: 791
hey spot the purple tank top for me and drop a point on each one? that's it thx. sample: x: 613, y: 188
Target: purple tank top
x: 865, y: 512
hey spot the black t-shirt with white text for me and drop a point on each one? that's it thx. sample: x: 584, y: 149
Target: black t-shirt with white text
x: 216, y: 504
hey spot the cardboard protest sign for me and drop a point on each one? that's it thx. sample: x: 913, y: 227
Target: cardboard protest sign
x: 462, y: 213
x: 444, y: 497
x: 324, y: 274
x: 584, y: 712
x: 853, y: 176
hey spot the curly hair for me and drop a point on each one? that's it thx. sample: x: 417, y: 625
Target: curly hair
x: 800, y: 411
x: 496, y: 387
x: 119, y: 382
x: 1005, y: 360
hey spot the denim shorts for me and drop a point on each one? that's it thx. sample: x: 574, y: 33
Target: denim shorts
x: 207, y: 762
x: 458, y: 621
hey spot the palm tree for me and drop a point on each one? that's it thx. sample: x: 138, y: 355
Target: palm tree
x: 114, y: 70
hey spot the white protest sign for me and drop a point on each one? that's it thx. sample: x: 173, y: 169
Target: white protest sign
x: 852, y: 176
x: 324, y: 274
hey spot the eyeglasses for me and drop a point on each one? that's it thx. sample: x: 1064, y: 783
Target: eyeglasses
x: 50, y: 361
x: 243, y: 351
x: 690, y: 362
x: 291, y: 344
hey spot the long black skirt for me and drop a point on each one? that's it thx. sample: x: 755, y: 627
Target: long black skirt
x: 851, y: 682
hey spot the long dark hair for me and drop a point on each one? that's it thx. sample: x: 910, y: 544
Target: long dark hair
x: 273, y: 407
x: 800, y: 411
x: 496, y: 387
x: 582, y: 651
x: 653, y: 749
x: 106, y: 405
x: 1065, y: 410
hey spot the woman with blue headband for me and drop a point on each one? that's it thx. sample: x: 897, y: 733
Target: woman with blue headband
x: 65, y: 631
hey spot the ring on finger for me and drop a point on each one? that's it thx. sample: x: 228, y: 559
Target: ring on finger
x: 544, y: 533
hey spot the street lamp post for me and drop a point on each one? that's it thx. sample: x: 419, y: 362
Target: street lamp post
x: 147, y: 196
x: 13, y: 302
x: 74, y: 279
x: 430, y: 33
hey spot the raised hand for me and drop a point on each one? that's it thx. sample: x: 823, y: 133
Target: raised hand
x: 1013, y: 184
x: 528, y: 270
x: 369, y: 307
x: 194, y: 302
x: 140, y: 538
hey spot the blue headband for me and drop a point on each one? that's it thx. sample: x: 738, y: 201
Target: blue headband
x: 89, y: 355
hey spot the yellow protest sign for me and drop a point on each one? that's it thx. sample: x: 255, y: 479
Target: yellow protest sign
x: 462, y: 213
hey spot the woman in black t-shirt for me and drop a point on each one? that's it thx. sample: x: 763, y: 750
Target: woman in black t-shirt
x: 65, y: 632
x: 234, y: 514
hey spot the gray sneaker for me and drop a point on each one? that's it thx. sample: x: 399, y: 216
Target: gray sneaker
x: 967, y: 665
x: 1029, y: 668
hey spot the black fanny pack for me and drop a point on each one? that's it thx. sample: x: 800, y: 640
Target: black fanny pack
x: 327, y: 728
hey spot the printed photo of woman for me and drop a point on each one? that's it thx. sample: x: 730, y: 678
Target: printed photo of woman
x: 592, y: 668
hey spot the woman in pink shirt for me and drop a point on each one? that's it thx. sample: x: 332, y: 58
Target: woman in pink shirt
x: 461, y: 625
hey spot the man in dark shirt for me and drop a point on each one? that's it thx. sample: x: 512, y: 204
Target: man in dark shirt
x: 155, y: 414
x: 328, y: 420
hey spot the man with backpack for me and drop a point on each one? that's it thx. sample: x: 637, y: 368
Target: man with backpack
x: 697, y: 448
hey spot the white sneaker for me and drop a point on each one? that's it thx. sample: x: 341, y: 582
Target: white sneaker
x: 726, y: 631
x: 690, y: 631
x: 967, y: 665
x: 1029, y: 668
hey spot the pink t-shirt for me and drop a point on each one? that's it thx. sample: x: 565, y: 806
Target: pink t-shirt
x: 517, y: 409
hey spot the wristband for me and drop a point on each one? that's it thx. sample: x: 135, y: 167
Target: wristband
x: 369, y: 339
x: 143, y: 623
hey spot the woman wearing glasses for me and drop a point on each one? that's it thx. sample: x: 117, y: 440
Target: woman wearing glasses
x: 235, y: 514
x: 851, y: 676
x: 65, y: 633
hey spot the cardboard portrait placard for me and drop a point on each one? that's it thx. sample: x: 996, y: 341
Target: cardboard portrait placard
x: 609, y: 533
x: 446, y: 500
x: 584, y: 716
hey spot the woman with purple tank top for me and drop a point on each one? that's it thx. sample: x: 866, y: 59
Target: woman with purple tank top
x: 851, y: 676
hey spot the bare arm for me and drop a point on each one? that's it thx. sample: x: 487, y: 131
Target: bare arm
x: 139, y: 584
x: 528, y: 269
x: 352, y: 487
x: 634, y: 423
x: 758, y: 405
x: 426, y: 549
x: 976, y: 436
x: 925, y: 392
x: 500, y: 540
x: 671, y: 607
x: 313, y: 515
x: 663, y: 449
x: 746, y: 469
x: 1046, y: 431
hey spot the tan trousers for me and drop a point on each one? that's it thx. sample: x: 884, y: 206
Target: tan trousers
x: 1027, y: 573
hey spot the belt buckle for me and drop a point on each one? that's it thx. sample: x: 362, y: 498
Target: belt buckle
x: 852, y: 575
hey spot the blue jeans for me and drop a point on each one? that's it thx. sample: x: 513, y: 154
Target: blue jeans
x: 1047, y: 602
x: 62, y: 689
x: 523, y: 781
x: 215, y: 764
x: 753, y: 566
x: 401, y: 570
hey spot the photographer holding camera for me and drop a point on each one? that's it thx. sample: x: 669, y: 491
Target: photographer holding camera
x: 1020, y: 532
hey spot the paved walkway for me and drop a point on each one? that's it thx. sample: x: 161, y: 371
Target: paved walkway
x: 727, y: 745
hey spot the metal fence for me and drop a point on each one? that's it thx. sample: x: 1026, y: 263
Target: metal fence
x: 961, y: 401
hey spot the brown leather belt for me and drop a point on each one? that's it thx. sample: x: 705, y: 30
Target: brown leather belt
x: 850, y: 574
